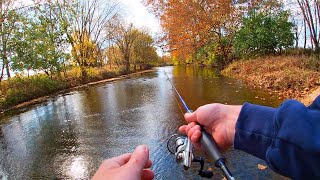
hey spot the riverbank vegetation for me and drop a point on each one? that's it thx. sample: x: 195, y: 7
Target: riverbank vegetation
x: 49, y: 46
x: 273, y: 44
x: 287, y: 76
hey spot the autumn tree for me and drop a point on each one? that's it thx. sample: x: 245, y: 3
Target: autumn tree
x: 144, y: 52
x: 193, y: 27
x: 85, y: 50
x: 114, y: 56
x: 124, y: 37
x: 83, y: 20
x: 129, y: 45
x: 190, y: 25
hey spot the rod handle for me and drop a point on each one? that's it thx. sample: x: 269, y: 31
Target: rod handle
x: 211, y: 147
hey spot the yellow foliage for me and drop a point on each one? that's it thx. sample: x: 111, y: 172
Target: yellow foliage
x: 85, y: 52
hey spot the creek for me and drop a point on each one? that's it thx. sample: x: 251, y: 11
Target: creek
x: 68, y: 136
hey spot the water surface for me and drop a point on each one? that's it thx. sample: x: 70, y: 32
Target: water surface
x: 67, y: 137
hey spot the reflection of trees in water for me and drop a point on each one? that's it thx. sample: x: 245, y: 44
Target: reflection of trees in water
x: 3, y: 147
x: 3, y: 143
x: 207, y: 86
x: 196, y: 71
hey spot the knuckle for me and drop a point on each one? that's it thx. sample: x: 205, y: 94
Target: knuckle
x: 190, y: 133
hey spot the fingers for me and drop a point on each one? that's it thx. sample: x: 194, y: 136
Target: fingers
x: 140, y: 158
x: 192, y: 128
x: 147, y: 174
x: 195, y: 138
x: 194, y: 134
x: 182, y: 129
x: 191, y: 117
x: 148, y: 165
x: 116, y: 162
x: 122, y: 160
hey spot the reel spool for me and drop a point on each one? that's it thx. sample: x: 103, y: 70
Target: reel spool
x: 174, y: 142
x: 181, y: 147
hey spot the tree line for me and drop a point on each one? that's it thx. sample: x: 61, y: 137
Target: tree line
x: 55, y: 35
x: 216, y: 32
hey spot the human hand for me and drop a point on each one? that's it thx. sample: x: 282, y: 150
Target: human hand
x: 218, y: 120
x: 133, y: 166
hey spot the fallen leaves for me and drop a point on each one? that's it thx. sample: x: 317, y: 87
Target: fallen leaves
x: 285, y: 76
x: 262, y: 167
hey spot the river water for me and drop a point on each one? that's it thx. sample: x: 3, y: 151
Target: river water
x: 68, y: 136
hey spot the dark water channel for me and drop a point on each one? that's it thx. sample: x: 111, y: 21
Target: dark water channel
x: 67, y: 137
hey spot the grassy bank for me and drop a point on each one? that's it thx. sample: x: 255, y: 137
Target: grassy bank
x: 21, y: 89
x: 287, y: 76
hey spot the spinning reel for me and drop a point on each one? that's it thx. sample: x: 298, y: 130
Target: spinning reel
x: 181, y: 147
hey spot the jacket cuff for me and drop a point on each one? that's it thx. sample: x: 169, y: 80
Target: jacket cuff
x: 255, y: 130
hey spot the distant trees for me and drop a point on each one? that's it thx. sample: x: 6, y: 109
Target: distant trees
x: 262, y: 34
x: 54, y: 35
x: 131, y: 46
x: 39, y: 42
x: 124, y: 38
x: 9, y: 20
x: 190, y: 25
x: 204, y: 31
x: 83, y: 23
x: 144, y: 52
x: 215, y: 32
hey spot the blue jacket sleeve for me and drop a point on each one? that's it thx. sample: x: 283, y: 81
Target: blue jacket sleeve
x: 287, y: 138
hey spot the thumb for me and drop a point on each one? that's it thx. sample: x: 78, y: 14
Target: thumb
x: 191, y: 117
x: 139, y: 158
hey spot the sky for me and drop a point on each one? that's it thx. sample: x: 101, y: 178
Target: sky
x: 135, y: 12
x: 138, y: 14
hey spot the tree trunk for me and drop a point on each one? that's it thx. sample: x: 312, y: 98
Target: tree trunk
x: 305, y: 34
x: 5, y: 60
x: 84, y: 74
x: 2, y: 72
x: 308, y: 17
x: 313, y: 29
x: 127, y: 62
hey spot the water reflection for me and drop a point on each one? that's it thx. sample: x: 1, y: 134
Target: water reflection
x: 68, y: 137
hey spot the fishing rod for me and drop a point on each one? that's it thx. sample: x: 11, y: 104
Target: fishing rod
x: 182, y: 148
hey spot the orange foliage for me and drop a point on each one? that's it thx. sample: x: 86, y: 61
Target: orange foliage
x: 190, y: 24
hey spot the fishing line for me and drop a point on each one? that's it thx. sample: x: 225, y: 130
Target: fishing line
x: 179, y: 105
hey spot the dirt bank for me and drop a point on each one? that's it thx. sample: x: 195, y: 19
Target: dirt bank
x: 285, y: 76
x: 310, y: 97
